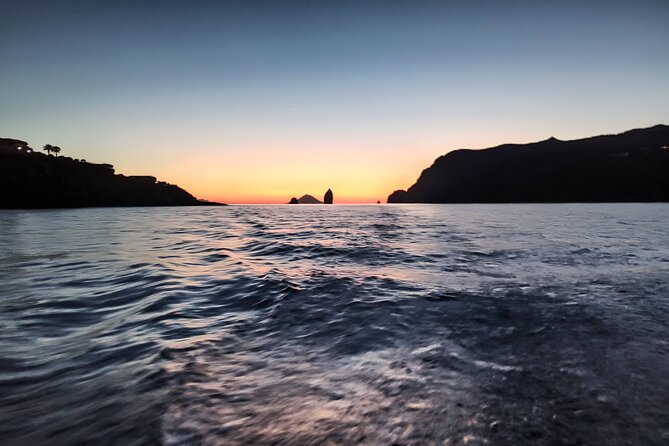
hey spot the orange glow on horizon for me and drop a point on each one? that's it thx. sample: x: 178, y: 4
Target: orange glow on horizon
x: 272, y: 199
x: 346, y: 190
x: 242, y: 172
x: 274, y: 176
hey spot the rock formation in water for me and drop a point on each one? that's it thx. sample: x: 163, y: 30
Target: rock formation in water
x: 308, y: 199
x: 628, y: 167
x: 327, y: 199
x: 29, y: 179
x: 293, y: 201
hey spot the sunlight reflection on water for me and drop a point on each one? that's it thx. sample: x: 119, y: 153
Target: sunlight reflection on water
x: 409, y: 324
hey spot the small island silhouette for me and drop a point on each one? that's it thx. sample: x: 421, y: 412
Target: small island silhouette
x: 29, y: 179
x: 310, y: 199
x: 628, y: 167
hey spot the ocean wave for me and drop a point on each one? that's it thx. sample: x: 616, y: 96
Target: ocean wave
x: 381, y: 324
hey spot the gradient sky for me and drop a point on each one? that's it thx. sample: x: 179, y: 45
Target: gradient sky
x: 258, y: 101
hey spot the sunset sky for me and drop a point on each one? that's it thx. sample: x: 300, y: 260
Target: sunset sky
x: 256, y: 102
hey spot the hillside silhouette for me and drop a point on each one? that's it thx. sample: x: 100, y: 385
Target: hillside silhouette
x: 628, y: 167
x: 29, y: 179
x: 308, y: 199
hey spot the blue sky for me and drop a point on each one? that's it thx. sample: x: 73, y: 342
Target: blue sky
x: 251, y: 101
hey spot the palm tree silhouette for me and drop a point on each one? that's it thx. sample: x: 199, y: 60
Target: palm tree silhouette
x: 56, y: 150
x: 48, y: 148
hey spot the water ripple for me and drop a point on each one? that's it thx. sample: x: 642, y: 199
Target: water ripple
x: 425, y: 324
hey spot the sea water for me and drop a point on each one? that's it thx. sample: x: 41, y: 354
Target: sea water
x: 306, y: 325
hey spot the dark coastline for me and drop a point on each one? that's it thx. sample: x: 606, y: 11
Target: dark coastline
x: 31, y: 180
x: 629, y: 167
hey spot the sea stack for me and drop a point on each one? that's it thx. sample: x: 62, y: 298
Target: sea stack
x: 293, y: 201
x: 327, y: 199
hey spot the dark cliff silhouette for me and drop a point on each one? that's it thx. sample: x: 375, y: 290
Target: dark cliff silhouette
x: 33, y: 180
x: 327, y: 199
x: 628, y: 167
x: 293, y: 201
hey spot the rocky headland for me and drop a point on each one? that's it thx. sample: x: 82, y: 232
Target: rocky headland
x: 29, y: 179
x: 628, y: 167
